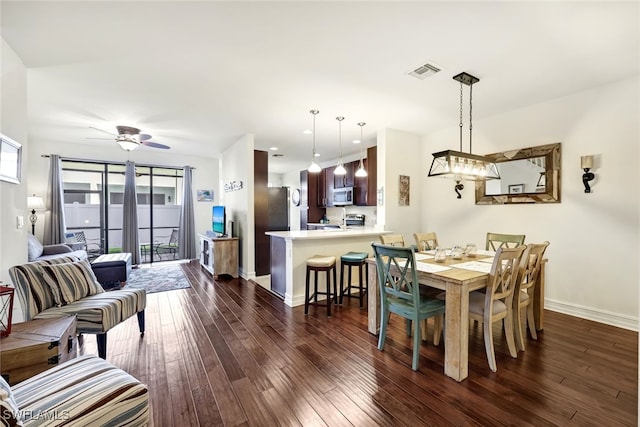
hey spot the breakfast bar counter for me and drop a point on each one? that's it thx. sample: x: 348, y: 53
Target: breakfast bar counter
x: 291, y: 249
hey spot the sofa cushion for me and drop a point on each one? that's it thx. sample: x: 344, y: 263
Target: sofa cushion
x: 96, y: 314
x: 34, y: 247
x: 9, y: 410
x: 71, y: 281
x: 33, y: 292
x: 88, y: 391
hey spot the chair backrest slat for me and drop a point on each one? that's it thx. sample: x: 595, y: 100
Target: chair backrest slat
x: 397, y: 272
x: 496, y: 241
x: 392, y: 240
x: 426, y: 241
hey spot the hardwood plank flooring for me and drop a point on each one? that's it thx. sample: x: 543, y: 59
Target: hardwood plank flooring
x: 229, y: 353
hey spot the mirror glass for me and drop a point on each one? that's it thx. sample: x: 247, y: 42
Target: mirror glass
x: 519, y: 176
x: 528, y: 175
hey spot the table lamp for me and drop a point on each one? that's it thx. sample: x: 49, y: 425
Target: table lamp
x: 34, y: 202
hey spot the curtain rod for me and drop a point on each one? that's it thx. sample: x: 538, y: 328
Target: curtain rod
x: 102, y: 162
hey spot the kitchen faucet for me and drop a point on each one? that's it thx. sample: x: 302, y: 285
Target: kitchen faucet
x: 344, y: 217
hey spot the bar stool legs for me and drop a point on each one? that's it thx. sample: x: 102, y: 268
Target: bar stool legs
x: 316, y: 264
x: 349, y: 261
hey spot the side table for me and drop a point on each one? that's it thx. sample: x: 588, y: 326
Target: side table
x: 36, y: 346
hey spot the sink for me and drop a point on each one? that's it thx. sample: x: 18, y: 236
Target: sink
x: 335, y: 228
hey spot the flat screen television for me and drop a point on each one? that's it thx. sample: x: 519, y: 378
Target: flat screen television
x: 218, y: 220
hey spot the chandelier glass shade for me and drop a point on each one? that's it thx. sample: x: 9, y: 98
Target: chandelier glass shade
x: 459, y: 165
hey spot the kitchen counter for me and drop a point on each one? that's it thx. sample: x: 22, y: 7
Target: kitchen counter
x: 332, y: 233
x: 291, y: 249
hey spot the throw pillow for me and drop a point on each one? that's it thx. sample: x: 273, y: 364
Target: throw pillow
x: 9, y: 411
x: 34, y: 246
x: 71, y: 282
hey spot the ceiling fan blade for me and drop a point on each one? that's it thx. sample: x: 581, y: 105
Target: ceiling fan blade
x: 103, y: 139
x: 102, y: 130
x: 144, y: 137
x: 154, y: 144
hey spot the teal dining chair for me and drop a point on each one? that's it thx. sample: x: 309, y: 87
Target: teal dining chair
x: 400, y: 293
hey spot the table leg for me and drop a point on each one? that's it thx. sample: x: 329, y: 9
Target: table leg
x: 456, y: 335
x: 538, y: 298
x: 373, y: 300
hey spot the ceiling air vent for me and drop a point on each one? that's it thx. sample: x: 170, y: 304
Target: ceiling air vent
x: 424, y: 71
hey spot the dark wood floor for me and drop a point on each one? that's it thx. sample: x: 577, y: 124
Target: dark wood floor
x: 230, y: 353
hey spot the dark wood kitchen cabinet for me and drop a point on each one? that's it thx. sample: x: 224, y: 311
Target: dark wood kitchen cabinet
x: 346, y: 180
x: 325, y: 187
x: 309, y: 209
x: 365, y: 188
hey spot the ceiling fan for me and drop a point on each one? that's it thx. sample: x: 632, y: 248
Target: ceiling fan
x: 130, y: 138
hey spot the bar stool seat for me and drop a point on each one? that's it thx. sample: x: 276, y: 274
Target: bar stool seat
x: 350, y: 260
x: 318, y: 263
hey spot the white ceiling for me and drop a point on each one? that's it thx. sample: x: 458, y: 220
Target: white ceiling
x: 199, y: 75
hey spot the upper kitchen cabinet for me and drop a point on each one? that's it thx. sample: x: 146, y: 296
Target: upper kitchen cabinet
x: 309, y: 209
x: 325, y: 187
x: 365, y: 188
x: 346, y: 180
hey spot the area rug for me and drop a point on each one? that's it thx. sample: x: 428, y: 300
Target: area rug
x: 158, y: 279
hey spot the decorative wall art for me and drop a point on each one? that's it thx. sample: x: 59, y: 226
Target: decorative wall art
x: 205, y: 195
x: 10, y: 160
x: 404, y: 190
x: 516, y: 189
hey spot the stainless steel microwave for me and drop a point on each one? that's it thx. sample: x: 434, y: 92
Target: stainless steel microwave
x: 343, y: 196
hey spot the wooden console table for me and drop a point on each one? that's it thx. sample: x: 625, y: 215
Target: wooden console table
x: 219, y: 255
x: 36, y: 346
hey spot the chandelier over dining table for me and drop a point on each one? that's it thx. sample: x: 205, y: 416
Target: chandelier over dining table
x: 458, y: 164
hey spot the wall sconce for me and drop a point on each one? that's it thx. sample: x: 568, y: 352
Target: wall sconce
x: 586, y: 163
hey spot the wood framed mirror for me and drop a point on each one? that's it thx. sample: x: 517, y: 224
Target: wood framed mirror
x: 527, y: 175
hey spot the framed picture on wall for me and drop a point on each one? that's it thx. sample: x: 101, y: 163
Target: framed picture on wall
x: 10, y: 160
x: 516, y: 189
x: 204, y: 195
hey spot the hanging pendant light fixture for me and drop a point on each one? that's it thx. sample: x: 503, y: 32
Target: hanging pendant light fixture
x: 340, y: 170
x: 458, y: 164
x: 314, y: 167
x: 361, y: 172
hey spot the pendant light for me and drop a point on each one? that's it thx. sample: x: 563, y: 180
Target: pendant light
x: 314, y: 167
x: 340, y: 170
x: 458, y: 164
x: 361, y: 172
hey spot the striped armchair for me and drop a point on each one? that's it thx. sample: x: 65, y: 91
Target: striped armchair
x: 86, y: 391
x: 65, y: 286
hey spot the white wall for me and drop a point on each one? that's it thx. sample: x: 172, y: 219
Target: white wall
x: 397, y: 156
x: 594, y: 252
x: 205, y: 175
x: 236, y: 164
x: 13, y: 197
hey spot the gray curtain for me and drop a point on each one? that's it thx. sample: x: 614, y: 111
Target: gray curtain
x: 187, y: 237
x: 54, y: 223
x: 130, y: 239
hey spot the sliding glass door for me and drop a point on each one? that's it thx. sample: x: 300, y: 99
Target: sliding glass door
x: 94, y: 193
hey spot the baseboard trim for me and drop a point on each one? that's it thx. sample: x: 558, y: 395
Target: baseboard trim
x: 601, y: 316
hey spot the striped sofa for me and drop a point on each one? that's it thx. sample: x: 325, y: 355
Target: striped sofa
x: 86, y: 391
x: 65, y: 286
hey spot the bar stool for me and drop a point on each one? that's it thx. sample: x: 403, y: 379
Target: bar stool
x: 350, y: 260
x: 321, y: 263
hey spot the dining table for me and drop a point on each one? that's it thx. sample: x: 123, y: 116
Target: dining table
x: 457, y: 277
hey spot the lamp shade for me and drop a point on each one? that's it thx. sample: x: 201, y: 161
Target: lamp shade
x: 35, y: 202
x: 6, y: 310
